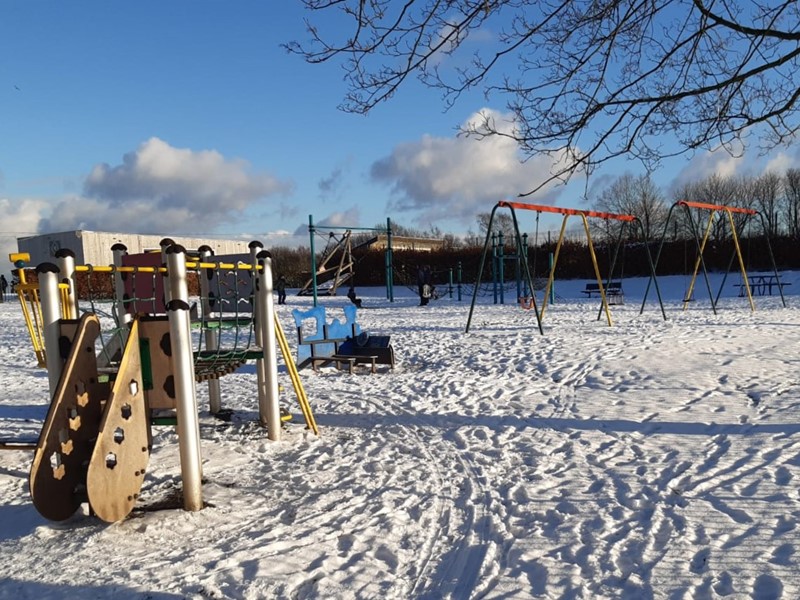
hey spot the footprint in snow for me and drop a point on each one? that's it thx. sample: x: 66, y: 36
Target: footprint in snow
x: 699, y: 562
x: 767, y: 587
x: 783, y: 476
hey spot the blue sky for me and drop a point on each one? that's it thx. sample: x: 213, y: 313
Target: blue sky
x: 189, y: 118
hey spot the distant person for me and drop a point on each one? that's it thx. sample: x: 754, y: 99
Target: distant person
x: 3, y: 288
x: 424, y: 285
x: 280, y: 287
x: 351, y: 293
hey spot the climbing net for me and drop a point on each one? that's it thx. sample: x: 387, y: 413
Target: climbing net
x: 221, y: 289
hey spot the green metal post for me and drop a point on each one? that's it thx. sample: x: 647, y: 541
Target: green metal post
x: 313, y: 257
x: 389, y: 260
x: 494, y: 266
x: 501, y: 259
x: 458, y: 274
x: 450, y: 283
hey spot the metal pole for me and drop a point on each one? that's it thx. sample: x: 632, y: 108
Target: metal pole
x: 450, y: 283
x: 654, y: 261
x: 66, y: 265
x: 390, y: 261
x: 313, y: 258
x: 120, y: 309
x: 259, y: 315
x: 183, y: 365
x: 211, y: 336
x: 501, y: 259
x: 551, y: 263
x: 742, y: 267
x: 494, y: 266
x: 551, y: 277
x: 525, y: 291
x: 165, y: 244
x: 47, y: 274
x: 772, y: 259
x: 459, y: 280
x: 518, y: 269
x: 527, y: 272
x: 268, y: 403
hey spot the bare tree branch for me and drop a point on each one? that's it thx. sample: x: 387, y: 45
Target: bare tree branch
x: 585, y: 81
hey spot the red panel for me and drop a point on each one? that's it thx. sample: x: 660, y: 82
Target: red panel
x: 144, y: 290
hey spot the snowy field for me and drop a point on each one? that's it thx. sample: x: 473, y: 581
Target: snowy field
x: 651, y: 459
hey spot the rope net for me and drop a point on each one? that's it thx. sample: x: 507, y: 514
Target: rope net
x: 221, y: 295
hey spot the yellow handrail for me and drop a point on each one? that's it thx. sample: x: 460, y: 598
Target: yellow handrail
x: 28, y: 294
x: 295, y: 377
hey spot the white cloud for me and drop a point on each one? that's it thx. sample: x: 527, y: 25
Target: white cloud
x: 20, y: 219
x: 340, y: 219
x: 458, y: 177
x: 780, y: 163
x: 22, y: 216
x: 159, y: 188
x: 703, y: 165
x: 720, y: 162
x: 347, y: 218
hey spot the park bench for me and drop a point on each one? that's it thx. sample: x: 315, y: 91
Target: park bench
x: 613, y: 289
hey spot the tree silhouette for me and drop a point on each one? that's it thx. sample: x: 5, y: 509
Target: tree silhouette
x: 584, y: 80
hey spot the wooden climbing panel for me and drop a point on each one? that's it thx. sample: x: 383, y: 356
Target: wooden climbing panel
x: 159, y: 384
x: 119, y: 461
x: 58, y: 474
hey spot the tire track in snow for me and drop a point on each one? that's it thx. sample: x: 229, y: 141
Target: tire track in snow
x: 462, y: 537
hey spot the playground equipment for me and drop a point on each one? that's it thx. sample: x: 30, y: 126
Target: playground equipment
x: 335, y: 269
x: 445, y: 282
x: 625, y: 220
x: 28, y: 295
x: 337, y: 273
x: 716, y: 211
x: 338, y: 342
x: 96, y: 439
x: 519, y: 258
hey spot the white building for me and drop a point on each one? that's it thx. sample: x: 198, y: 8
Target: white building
x: 404, y: 242
x: 94, y: 247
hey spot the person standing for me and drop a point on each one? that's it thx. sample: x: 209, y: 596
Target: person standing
x: 351, y: 294
x: 280, y: 287
x: 3, y: 288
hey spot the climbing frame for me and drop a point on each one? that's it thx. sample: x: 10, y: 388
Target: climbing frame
x: 95, y: 443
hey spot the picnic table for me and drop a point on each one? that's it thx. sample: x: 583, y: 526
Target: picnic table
x: 762, y: 285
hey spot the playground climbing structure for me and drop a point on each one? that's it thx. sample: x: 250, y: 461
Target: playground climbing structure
x: 95, y: 443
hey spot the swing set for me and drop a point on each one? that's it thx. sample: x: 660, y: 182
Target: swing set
x: 625, y: 220
x: 716, y: 211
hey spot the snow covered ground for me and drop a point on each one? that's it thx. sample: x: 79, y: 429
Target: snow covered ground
x: 651, y: 459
